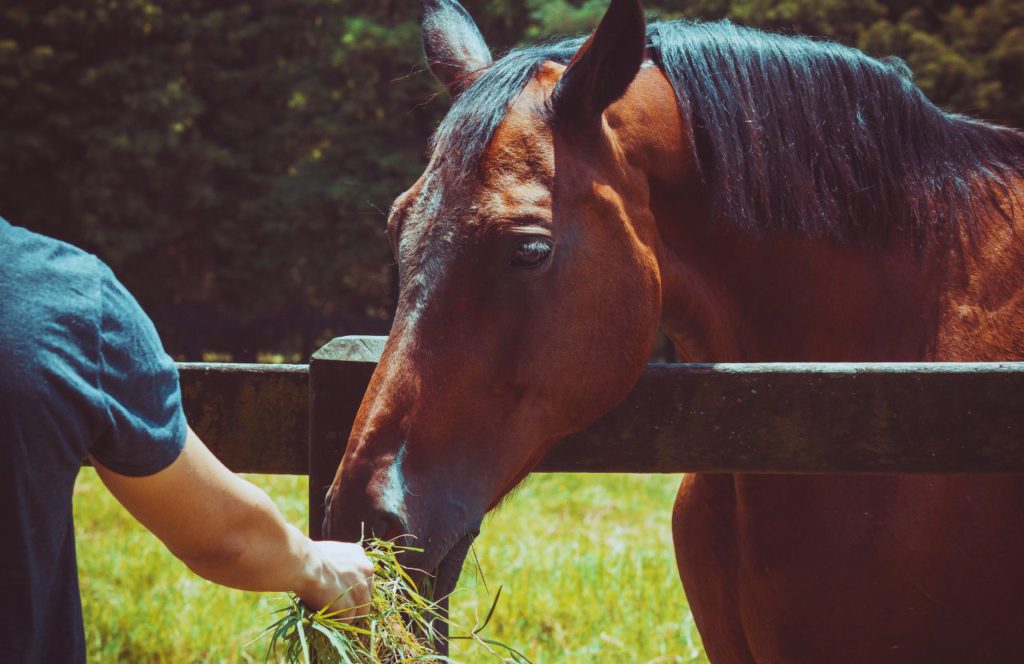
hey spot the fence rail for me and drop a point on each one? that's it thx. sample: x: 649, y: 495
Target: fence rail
x: 255, y: 417
x: 792, y: 418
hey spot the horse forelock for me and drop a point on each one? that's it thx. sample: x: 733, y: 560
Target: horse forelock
x: 788, y: 134
x: 454, y: 199
x: 465, y: 133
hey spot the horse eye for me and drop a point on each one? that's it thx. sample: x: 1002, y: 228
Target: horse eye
x: 531, y: 253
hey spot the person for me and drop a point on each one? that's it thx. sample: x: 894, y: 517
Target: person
x: 83, y: 375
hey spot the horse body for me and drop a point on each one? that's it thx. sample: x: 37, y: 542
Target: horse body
x: 836, y: 568
x: 559, y: 226
x: 811, y: 569
x: 878, y: 568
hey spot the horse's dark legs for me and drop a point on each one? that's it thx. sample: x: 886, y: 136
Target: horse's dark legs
x: 703, y: 530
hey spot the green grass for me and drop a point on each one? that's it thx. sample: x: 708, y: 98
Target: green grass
x: 586, y: 564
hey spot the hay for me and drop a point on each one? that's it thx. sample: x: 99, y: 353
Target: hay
x: 400, y: 626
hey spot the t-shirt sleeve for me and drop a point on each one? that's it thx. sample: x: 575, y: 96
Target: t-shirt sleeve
x: 139, y: 386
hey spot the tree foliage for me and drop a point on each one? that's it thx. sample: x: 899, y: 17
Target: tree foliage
x: 234, y: 160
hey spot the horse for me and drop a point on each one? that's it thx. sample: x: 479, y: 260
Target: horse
x: 757, y: 197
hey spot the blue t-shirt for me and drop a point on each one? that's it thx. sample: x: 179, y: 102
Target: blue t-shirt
x: 82, y: 372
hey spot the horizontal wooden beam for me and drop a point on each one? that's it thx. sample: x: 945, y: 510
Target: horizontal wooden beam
x: 810, y: 418
x: 792, y: 418
x: 255, y: 417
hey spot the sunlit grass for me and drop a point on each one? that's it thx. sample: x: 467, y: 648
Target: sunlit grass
x: 586, y: 564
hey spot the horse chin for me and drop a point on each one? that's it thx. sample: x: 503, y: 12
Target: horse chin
x: 446, y: 574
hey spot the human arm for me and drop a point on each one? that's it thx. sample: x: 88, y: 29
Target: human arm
x: 227, y: 530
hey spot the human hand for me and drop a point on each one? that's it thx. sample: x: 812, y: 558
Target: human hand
x: 344, y: 580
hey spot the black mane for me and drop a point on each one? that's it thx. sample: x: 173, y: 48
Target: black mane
x: 789, y: 134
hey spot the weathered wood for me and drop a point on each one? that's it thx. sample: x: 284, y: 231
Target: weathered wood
x: 338, y: 375
x: 253, y: 416
x: 850, y: 418
x: 794, y: 418
x: 810, y: 418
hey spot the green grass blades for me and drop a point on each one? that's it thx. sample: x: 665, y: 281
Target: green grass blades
x: 586, y: 561
x: 400, y: 625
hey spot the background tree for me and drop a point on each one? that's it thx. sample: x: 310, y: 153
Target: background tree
x: 234, y: 160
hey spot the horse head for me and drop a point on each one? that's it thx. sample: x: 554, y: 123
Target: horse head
x: 529, y: 296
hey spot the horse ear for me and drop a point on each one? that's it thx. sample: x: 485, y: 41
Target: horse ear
x: 605, y: 64
x: 456, y: 51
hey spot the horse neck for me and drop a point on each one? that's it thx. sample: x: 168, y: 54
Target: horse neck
x: 733, y: 295
x: 982, y: 312
x: 729, y: 295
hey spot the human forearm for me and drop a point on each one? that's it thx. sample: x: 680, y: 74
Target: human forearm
x: 229, y: 531
x: 258, y: 550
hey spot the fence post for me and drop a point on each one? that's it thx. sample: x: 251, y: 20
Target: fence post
x: 338, y: 375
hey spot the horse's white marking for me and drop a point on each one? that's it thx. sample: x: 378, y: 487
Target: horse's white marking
x: 393, y: 491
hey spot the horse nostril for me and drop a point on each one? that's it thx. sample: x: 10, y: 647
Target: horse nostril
x: 385, y: 525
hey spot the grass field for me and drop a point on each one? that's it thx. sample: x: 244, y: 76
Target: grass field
x: 586, y: 564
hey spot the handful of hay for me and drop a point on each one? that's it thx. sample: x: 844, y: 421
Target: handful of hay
x: 400, y: 627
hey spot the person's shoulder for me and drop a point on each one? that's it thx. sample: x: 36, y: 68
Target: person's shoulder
x: 52, y: 299
x: 49, y: 324
x: 49, y: 277
x: 46, y: 262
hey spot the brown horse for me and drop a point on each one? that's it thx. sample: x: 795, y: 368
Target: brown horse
x: 758, y: 198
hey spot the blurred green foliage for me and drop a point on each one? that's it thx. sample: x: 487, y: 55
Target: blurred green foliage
x: 233, y: 160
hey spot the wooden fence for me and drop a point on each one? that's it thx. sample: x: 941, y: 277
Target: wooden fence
x: 763, y: 418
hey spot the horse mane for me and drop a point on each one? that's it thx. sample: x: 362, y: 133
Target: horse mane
x: 789, y: 134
